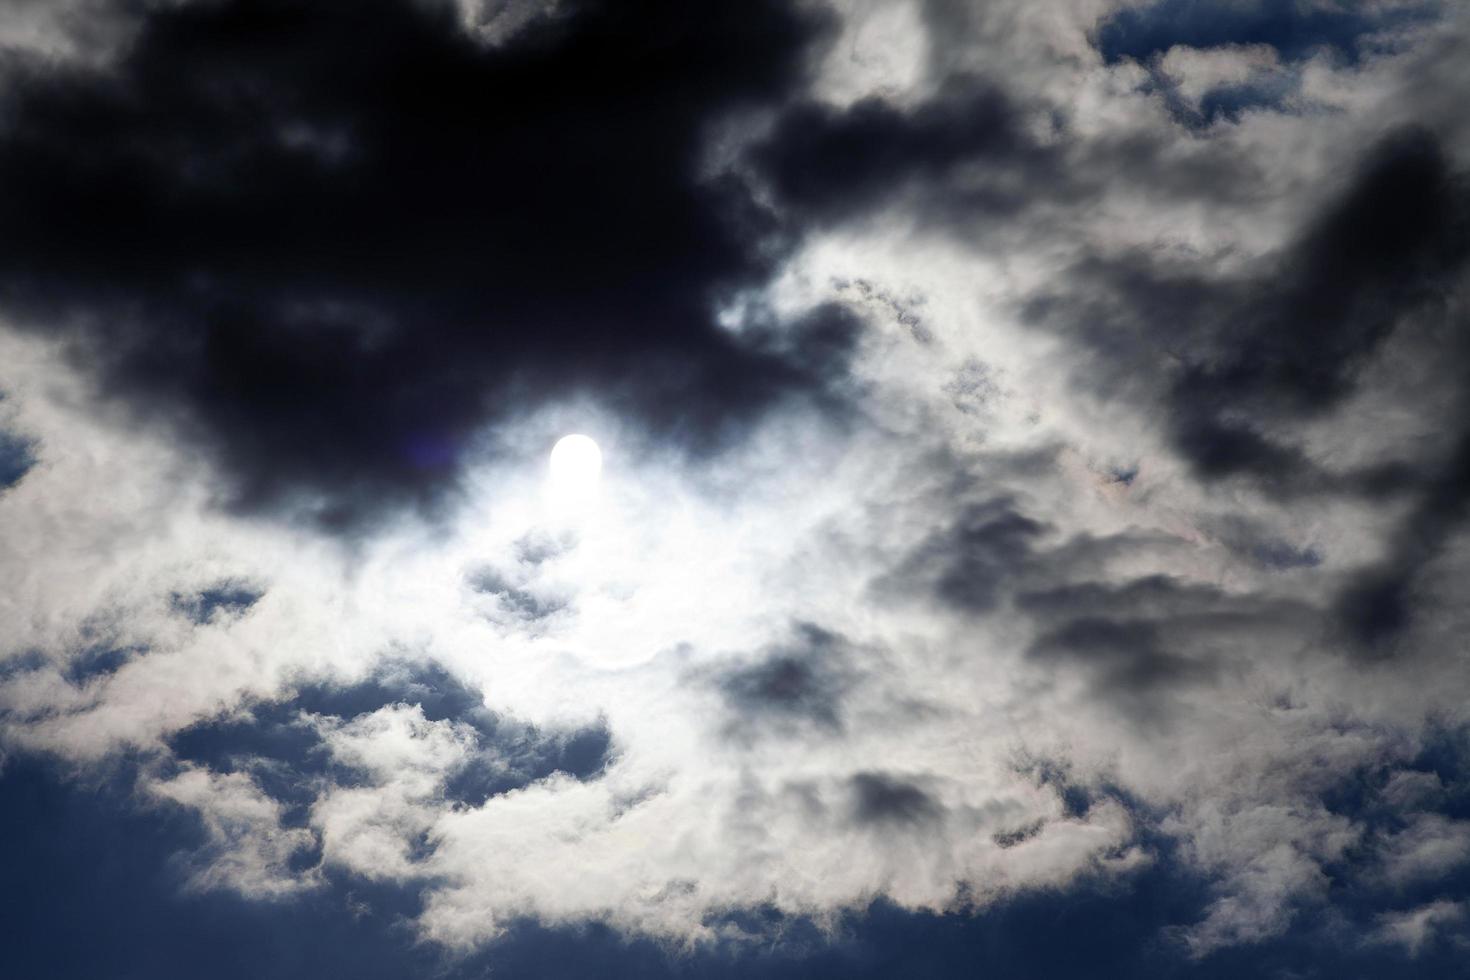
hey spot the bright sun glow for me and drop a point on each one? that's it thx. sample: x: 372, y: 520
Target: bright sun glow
x: 575, y: 461
x: 575, y: 471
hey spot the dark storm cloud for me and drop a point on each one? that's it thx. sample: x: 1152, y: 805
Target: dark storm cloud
x: 971, y: 159
x: 1391, y: 244
x: 1153, y: 596
x: 1380, y: 603
x: 1296, y: 30
x: 332, y: 240
x: 968, y: 564
x: 1288, y: 343
x: 886, y: 799
x: 793, y: 687
x: 828, y: 163
x: 1134, y: 642
x: 1128, y: 660
x: 1139, y: 643
x: 1142, y: 644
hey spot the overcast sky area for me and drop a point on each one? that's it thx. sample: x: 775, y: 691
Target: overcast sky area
x: 1033, y: 532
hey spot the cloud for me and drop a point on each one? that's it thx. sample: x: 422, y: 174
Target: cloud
x: 1416, y: 928
x: 791, y: 687
x: 882, y: 799
x: 332, y: 262
x: 248, y: 848
x: 825, y: 163
x: 1009, y: 491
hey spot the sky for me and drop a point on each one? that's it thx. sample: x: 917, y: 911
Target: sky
x: 1032, y: 531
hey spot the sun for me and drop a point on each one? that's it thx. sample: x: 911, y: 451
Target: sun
x: 574, y: 474
x: 575, y: 461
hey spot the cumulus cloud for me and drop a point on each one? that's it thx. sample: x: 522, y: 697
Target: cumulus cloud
x: 1019, y: 474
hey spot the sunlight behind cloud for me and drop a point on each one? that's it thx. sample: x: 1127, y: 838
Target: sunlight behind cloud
x: 573, y: 480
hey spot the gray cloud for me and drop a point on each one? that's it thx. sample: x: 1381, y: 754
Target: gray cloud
x: 793, y: 686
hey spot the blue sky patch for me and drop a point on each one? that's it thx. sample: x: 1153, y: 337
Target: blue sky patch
x: 1295, y: 29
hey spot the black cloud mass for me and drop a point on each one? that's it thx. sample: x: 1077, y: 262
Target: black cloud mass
x: 331, y: 240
